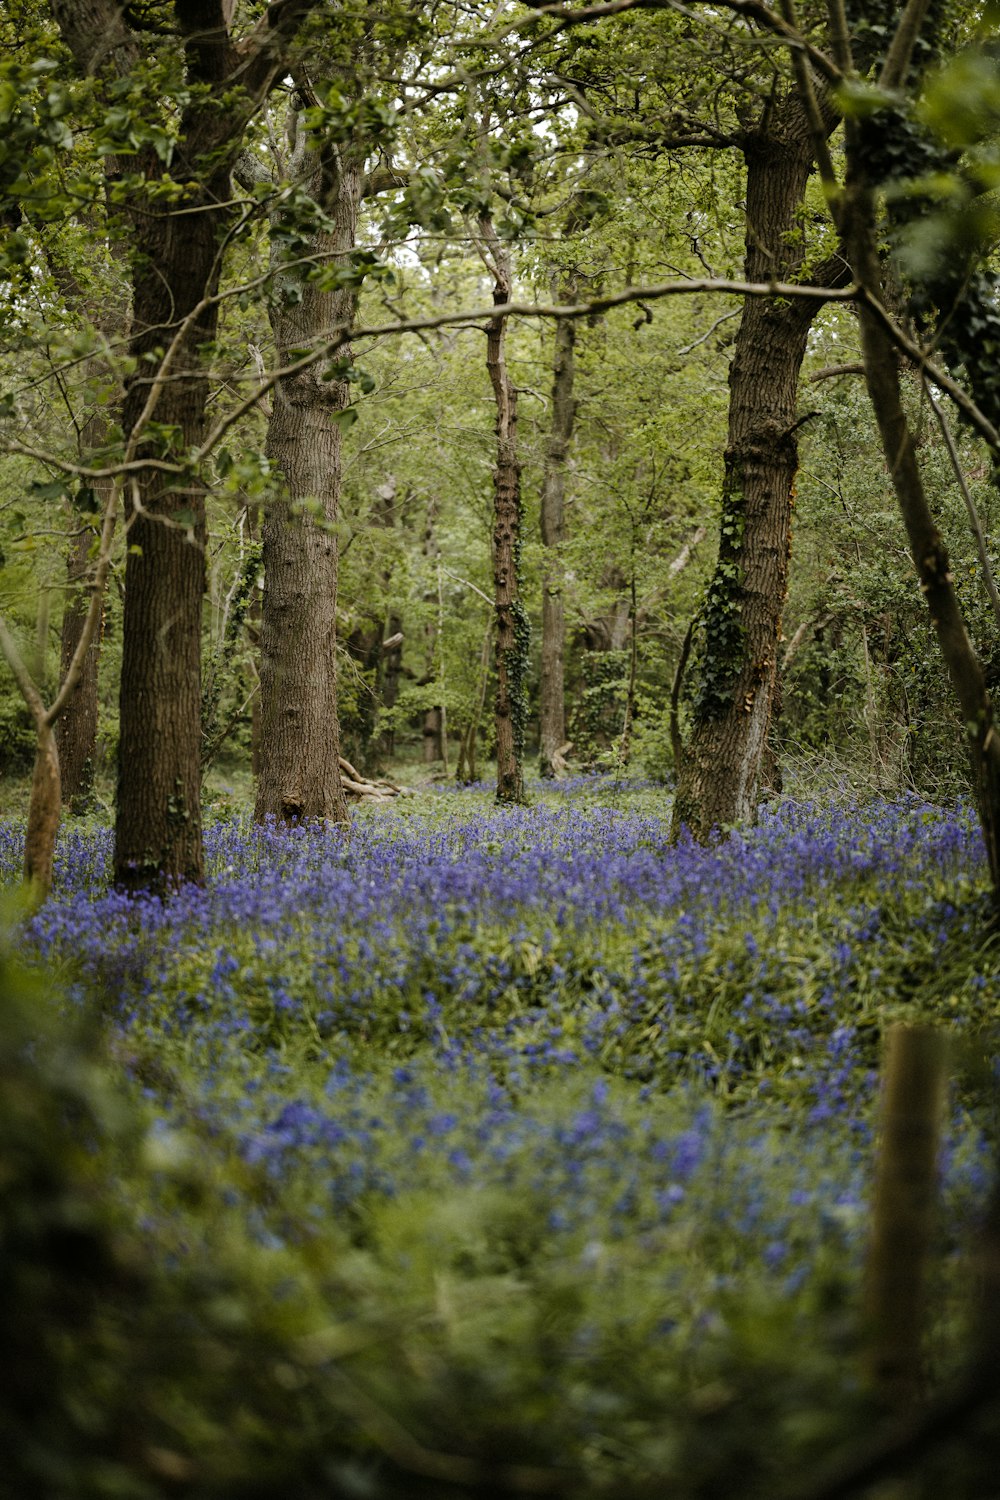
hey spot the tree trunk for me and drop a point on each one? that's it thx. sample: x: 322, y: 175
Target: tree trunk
x: 433, y: 748
x: 720, y: 775
x: 512, y: 623
x: 927, y: 547
x: 552, y: 711
x: 390, y: 683
x: 177, y: 245
x: 76, y: 731
x: 43, y: 813
x: 158, y: 843
x: 300, y: 736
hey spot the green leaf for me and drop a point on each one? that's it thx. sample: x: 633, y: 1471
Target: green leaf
x: 52, y: 489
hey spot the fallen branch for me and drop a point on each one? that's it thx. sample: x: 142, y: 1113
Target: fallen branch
x: 357, y: 785
x: 560, y: 769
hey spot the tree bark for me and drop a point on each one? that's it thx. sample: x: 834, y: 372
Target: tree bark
x: 552, y: 708
x: 511, y: 621
x: 299, y: 776
x: 158, y: 842
x: 720, y: 775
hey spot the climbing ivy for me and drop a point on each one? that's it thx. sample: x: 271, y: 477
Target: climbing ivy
x: 722, y: 629
x: 517, y: 667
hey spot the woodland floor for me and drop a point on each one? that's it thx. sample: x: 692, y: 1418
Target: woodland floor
x: 556, y: 1140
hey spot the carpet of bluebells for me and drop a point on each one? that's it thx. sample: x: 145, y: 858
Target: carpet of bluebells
x: 588, y: 1118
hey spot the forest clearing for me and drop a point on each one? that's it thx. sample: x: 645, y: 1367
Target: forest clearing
x: 499, y: 771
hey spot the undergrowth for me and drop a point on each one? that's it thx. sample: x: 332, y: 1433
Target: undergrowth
x: 533, y: 1146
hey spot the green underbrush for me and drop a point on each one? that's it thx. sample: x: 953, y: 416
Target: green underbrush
x: 480, y: 1152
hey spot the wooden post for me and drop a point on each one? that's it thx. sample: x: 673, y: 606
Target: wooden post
x: 913, y: 1095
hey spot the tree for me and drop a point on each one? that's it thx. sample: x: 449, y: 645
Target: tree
x: 512, y: 622
x: 105, y: 315
x: 179, y: 208
x: 855, y: 207
x: 552, y: 704
x: 318, y: 273
x: 721, y: 771
x: 299, y: 771
x: 757, y: 112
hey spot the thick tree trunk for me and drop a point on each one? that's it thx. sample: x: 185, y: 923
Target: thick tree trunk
x: 552, y: 709
x: 158, y: 843
x: 177, y: 247
x: 720, y: 775
x: 511, y: 621
x: 300, y: 738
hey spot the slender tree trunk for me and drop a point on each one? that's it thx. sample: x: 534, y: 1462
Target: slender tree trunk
x: 721, y: 771
x: 512, y: 623
x: 390, y: 683
x: 552, y: 709
x: 44, y: 806
x: 43, y: 812
x: 433, y: 749
x: 927, y: 547
x: 76, y: 731
x: 466, y: 769
x: 433, y: 741
x: 300, y: 737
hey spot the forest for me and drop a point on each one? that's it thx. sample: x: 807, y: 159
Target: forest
x: 499, y: 773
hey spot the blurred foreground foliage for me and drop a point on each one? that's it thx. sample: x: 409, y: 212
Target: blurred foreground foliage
x: 160, y: 1342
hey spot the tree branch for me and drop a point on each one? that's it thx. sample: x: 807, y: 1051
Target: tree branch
x: 897, y: 62
x: 261, y: 53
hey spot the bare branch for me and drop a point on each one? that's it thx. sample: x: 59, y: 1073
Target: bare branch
x: 831, y: 372
x: 725, y: 318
